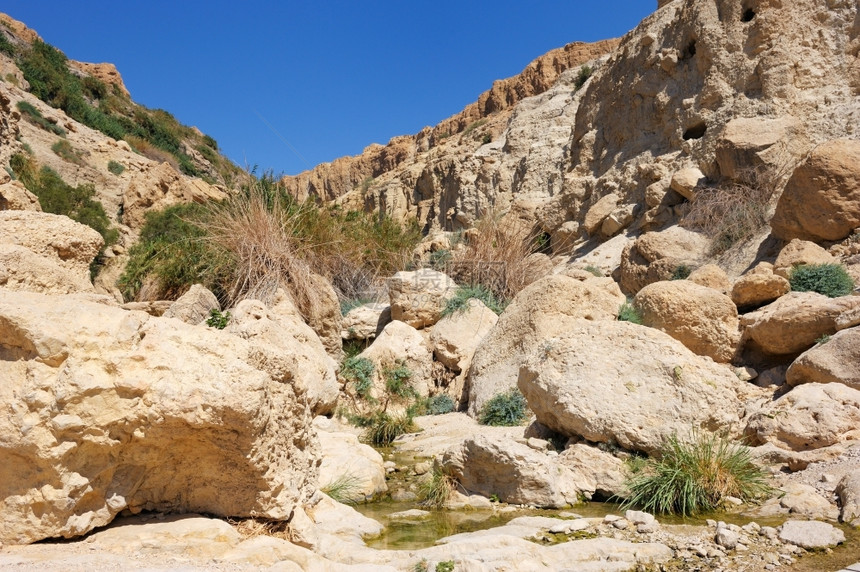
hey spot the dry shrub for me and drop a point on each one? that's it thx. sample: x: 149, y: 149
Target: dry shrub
x: 150, y: 151
x: 495, y: 256
x: 735, y: 211
x: 252, y: 527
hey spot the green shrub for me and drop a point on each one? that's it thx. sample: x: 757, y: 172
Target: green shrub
x: 383, y: 428
x: 445, y: 566
x: 397, y: 380
x: 115, y: 167
x: 217, y: 319
x: 436, y: 490
x: 35, y: 117
x: 439, y: 404
x: 439, y: 259
x: 584, y: 73
x: 692, y: 477
x: 460, y: 301
x: 681, y: 272
x: 505, y: 409
x: 629, y: 313
x: 832, y: 280
x: 66, y: 152
x: 6, y: 46
x: 210, y: 142
x: 359, y: 372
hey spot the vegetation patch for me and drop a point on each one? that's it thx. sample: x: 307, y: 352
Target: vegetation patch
x: 64, y: 150
x: 695, y: 476
x: 217, y: 319
x: 34, y: 116
x: 585, y: 72
x: 359, y: 372
x: 629, y: 313
x: 505, y: 409
x: 383, y: 429
x: 436, y: 490
x: 681, y: 272
x: 460, y: 302
x: 439, y: 404
x: 6, y: 47
x: 115, y: 167
x: 832, y: 280
x: 345, y: 488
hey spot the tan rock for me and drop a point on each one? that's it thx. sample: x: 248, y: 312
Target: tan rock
x: 515, y: 472
x: 46, y: 252
x: 836, y: 360
x: 627, y: 384
x: 598, y: 212
x: 759, y: 286
x: 757, y: 144
x: 127, y: 411
x: 821, y: 200
x: 194, y: 306
x: 794, y: 322
x: 418, y: 298
x: 601, y: 473
x: 848, y: 491
x: 618, y: 219
x: 699, y: 317
x: 365, y: 321
x: 799, y: 500
x: 685, y: 181
x: 540, y: 311
x: 810, y: 416
x: 354, y: 467
x: 799, y: 252
x: 287, y: 348
x: 14, y: 196
x: 324, y: 315
x: 456, y: 336
x: 712, y: 276
x: 656, y: 255
x: 400, y: 343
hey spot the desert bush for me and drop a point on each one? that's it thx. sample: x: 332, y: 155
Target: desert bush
x: 6, y: 47
x: 460, y: 301
x: 694, y: 476
x: 735, y: 211
x: 832, y: 280
x: 505, y: 409
x: 383, y: 428
x: 435, y: 491
x: 397, y: 381
x: 359, y: 372
x: 584, y: 73
x: 217, y: 319
x: 629, y: 313
x: 439, y: 404
x: 115, y: 167
x: 34, y: 116
x: 64, y: 150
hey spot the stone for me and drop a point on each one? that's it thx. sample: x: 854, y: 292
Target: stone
x: 759, y: 287
x: 456, y: 336
x: 701, y: 318
x: 655, y: 256
x: 848, y: 491
x: 726, y: 538
x: 751, y: 146
x: 14, y: 196
x: 794, y: 322
x: 194, y: 306
x: 418, y: 298
x: 618, y: 219
x: 540, y: 311
x: 365, y: 321
x: 810, y: 416
x: 400, y: 344
x: 627, y: 384
x: 810, y: 534
x: 821, y: 200
x: 324, y: 315
x: 513, y: 471
x: 125, y: 411
x: 685, y: 181
x: 274, y: 336
x: 836, y: 360
x: 170, y: 534
x: 602, y: 473
x: 43, y: 252
x: 598, y: 212
x: 353, y: 467
x: 799, y: 252
x: 712, y: 276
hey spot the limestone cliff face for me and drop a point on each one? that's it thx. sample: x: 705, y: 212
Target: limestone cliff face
x: 721, y: 86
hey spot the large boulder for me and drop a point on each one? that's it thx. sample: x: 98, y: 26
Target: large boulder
x: 756, y: 143
x: 794, y: 322
x: 419, y: 297
x: 543, y: 309
x: 516, y: 473
x: 399, y: 344
x: 821, y: 200
x: 194, y: 306
x: 14, y: 196
x: 47, y: 253
x: 759, y: 286
x: 655, y: 256
x: 848, y: 491
x: 699, y: 317
x: 835, y: 361
x: 617, y: 382
x: 105, y: 410
x: 287, y: 348
x: 810, y: 416
x: 365, y: 322
x: 351, y: 470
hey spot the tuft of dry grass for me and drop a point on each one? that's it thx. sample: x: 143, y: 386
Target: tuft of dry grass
x: 253, y: 527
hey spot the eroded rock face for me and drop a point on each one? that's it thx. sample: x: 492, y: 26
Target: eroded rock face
x: 810, y: 416
x: 357, y: 467
x: 540, y: 311
x: 418, y: 298
x: 835, y: 361
x: 849, y: 498
x: 821, y: 200
x: 48, y: 253
x: 699, y: 317
x: 656, y: 255
x: 106, y: 410
x: 15, y: 197
x: 365, y: 321
x: 627, y: 384
x: 794, y: 322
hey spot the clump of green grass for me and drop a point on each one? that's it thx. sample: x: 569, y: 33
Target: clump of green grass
x: 594, y: 271
x: 505, y: 409
x: 695, y: 476
x: 345, y: 488
x: 460, y: 301
x: 66, y: 152
x: 629, y: 313
x: 436, y: 490
x: 440, y: 259
x: 832, y: 280
x: 383, y: 428
x: 35, y: 117
x: 439, y: 404
x: 115, y: 167
x: 359, y: 372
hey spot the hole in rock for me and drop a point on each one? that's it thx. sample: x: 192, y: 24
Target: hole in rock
x: 748, y: 15
x: 695, y: 131
x: 689, y: 51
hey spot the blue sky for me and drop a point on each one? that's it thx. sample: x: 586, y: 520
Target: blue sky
x: 287, y: 85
